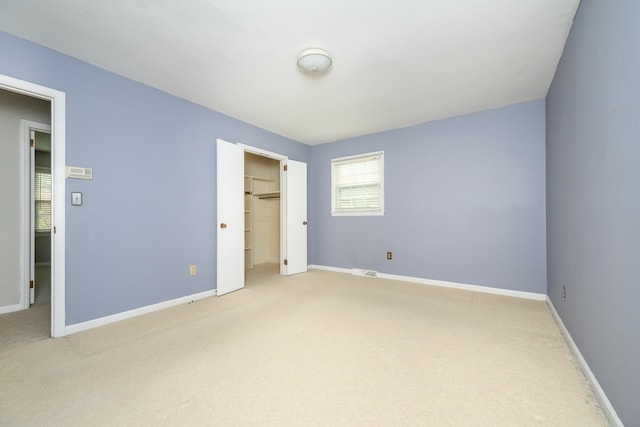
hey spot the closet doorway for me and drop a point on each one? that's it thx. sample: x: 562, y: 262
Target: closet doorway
x: 261, y: 213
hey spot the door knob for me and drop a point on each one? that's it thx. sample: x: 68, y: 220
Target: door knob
x: 223, y: 225
x: 304, y: 222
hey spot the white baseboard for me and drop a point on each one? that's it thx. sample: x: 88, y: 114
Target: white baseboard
x: 442, y: 283
x: 605, y: 404
x: 327, y: 268
x: 11, y: 308
x: 90, y: 324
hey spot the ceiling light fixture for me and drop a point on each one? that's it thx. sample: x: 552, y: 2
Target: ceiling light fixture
x: 314, y: 61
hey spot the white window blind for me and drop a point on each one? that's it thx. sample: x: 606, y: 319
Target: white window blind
x: 357, y: 185
x: 42, y: 198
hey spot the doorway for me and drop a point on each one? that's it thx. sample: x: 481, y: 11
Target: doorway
x: 236, y: 197
x: 261, y: 212
x: 19, y: 287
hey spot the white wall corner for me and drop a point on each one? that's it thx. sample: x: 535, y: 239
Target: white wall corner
x: 605, y: 404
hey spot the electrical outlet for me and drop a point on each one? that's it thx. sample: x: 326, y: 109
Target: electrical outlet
x: 389, y: 255
x: 192, y: 270
x: 564, y: 293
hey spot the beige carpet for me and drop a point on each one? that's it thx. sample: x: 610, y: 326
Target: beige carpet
x: 317, y: 349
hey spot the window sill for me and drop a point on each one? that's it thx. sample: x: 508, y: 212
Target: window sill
x: 357, y: 213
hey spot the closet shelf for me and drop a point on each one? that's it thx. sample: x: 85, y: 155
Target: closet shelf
x: 268, y: 195
x: 259, y: 178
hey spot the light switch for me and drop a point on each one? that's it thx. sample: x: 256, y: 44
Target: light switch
x: 76, y: 199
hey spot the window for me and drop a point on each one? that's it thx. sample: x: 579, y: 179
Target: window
x: 42, y: 198
x: 357, y: 185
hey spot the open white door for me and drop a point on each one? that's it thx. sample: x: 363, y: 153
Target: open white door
x: 295, y: 218
x: 32, y: 217
x: 30, y: 131
x: 230, y: 226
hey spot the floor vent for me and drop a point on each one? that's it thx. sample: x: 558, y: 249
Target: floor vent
x: 364, y: 273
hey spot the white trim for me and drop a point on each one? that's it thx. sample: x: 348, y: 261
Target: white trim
x: 358, y: 213
x: 327, y: 268
x: 283, y: 217
x: 58, y: 114
x: 58, y: 252
x: 467, y: 287
x: 445, y: 284
x: 26, y: 202
x: 11, y: 308
x: 605, y: 404
x: 25, y: 215
x: 261, y: 152
x: 283, y: 197
x: 102, y: 321
x: 358, y: 156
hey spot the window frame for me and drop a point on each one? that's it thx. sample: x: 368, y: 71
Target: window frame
x: 379, y: 211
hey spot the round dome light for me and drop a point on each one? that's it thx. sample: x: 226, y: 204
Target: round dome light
x: 314, y: 61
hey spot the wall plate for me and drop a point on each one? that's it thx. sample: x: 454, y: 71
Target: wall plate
x: 76, y: 199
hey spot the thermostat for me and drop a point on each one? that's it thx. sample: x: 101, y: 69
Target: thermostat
x: 77, y: 172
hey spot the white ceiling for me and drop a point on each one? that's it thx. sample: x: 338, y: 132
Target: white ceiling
x: 396, y: 63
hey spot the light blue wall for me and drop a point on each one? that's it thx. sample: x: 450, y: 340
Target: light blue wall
x: 150, y: 210
x: 464, y: 202
x: 593, y: 195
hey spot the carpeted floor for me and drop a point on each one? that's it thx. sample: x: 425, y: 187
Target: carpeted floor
x: 315, y: 349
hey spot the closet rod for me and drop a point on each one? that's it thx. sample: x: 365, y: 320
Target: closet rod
x: 268, y: 197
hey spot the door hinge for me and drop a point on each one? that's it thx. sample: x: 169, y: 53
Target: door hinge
x: 32, y: 143
x: 54, y: 229
x: 286, y: 262
x: 31, y: 284
x: 285, y: 168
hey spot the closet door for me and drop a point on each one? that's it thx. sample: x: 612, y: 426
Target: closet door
x: 295, y: 239
x: 230, y: 201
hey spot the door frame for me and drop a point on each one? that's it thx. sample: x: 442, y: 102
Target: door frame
x: 28, y: 160
x: 57, y: 100
x: 283, y: 196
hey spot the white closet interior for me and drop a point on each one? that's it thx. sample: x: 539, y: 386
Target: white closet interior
x: 261, y: 210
